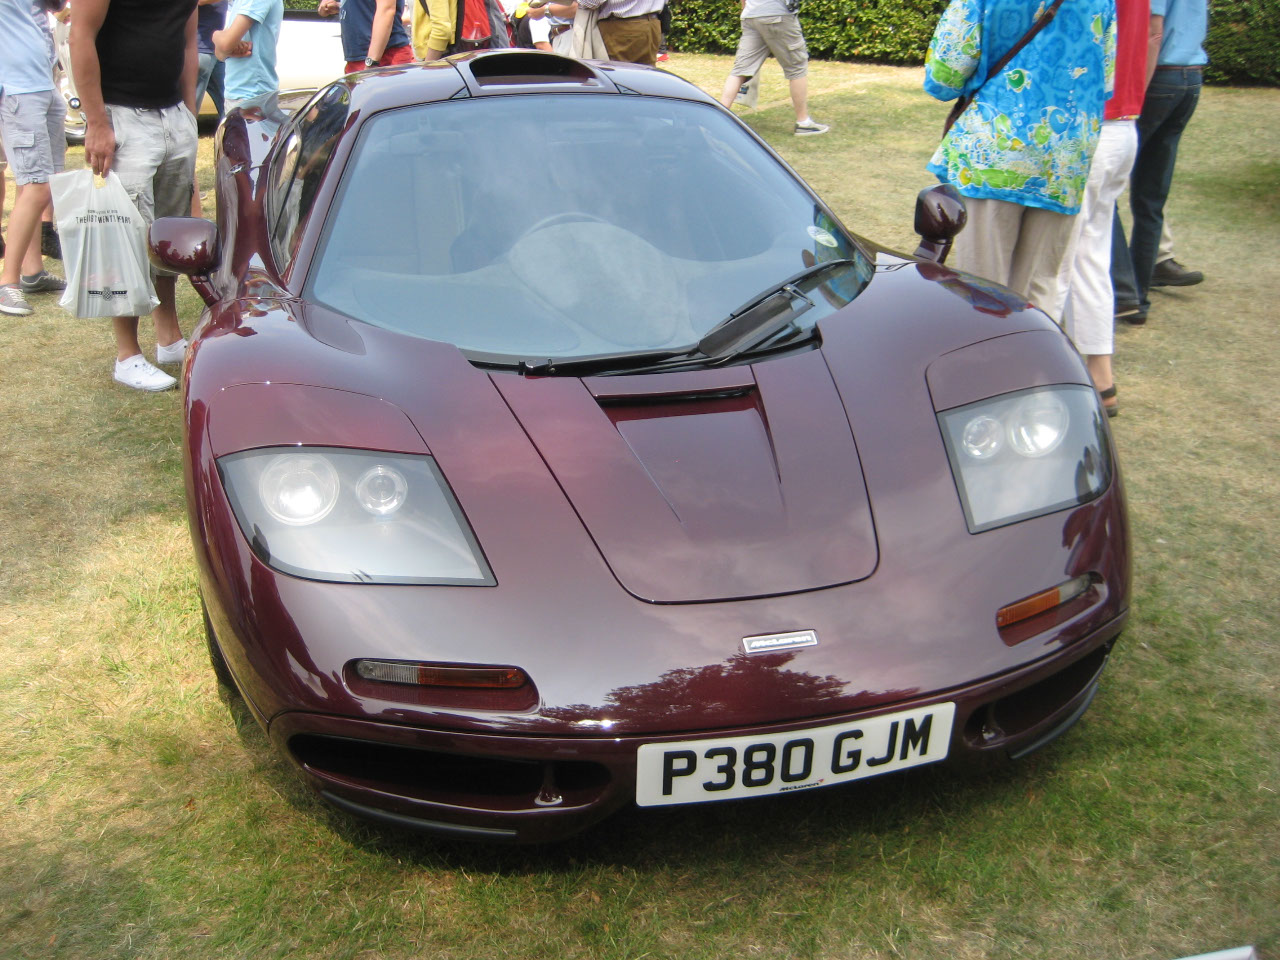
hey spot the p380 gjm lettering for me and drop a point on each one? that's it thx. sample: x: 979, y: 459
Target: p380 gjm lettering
x: 701, y: 770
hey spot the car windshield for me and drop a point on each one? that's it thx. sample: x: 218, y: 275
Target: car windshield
x: 564, y: 226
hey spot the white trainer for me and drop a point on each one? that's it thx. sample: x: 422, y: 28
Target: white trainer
x: 137, y: 373
x: 810, y: 127
x: 173, y: 353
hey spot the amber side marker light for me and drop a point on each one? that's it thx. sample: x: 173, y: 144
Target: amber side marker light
x: 1028, y: 607
x: 441, y: 674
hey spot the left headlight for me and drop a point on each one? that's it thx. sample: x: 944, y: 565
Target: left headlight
x: 352, y: 516
x: 1028, y: 453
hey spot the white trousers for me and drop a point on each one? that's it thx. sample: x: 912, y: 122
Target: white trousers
x: 1023, y: 248
x: 1091, y: 306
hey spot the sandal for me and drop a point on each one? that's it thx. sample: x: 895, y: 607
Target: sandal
x: 1112, y: 408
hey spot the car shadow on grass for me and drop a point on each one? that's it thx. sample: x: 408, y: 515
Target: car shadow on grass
x: 738, y: 834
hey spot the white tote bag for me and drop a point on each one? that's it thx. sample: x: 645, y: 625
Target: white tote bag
x: 104, y: 247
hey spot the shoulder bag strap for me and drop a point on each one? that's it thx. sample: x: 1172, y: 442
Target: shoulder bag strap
x: 962, y: 102
x: 1026, y: 38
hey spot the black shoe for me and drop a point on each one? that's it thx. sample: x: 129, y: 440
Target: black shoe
x: 1170, y: 273
x: 1130, y: 312
x: 50, y: 245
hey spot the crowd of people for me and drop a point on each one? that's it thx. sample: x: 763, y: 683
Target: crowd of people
x: 1063, y: 106
x: 1093, y: 99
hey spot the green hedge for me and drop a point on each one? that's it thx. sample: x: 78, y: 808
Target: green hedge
x: 1243, y: 42
x: 883, y: 31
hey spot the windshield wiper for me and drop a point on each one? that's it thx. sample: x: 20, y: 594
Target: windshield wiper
x: 649, y: 361
x: 597, y: 363
x: 762, y: 317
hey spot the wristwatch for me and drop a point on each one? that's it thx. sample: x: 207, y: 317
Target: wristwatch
x: 370, y: 62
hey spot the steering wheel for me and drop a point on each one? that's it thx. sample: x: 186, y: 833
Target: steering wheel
x: 564, y: 216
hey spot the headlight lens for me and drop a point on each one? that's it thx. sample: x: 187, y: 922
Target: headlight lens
x: 382, y: 490
x: 297, y: 488
x: 983, y: 437
x: 1038, y: 424
x: 352, y: 516
x: 1027, y: 453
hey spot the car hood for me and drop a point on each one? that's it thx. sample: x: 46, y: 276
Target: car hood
x: 707, y: 485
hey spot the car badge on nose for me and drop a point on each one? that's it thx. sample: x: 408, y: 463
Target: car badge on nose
x: 779, y: 641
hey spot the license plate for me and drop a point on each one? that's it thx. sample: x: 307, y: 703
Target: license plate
x: 695, y: 771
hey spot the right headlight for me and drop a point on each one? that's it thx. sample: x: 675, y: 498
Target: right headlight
x: 1028, y: 453
x: 352, y: 516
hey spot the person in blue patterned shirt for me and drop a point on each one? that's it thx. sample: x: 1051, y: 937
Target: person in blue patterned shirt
x: 1020, y: 152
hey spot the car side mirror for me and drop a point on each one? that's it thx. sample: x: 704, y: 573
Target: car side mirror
x: 940, y: 215
x: 186, y: 245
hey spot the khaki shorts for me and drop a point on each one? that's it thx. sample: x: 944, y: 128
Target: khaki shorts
x: 780, y: 36
x: 156, y: 159
x: 34, y: 139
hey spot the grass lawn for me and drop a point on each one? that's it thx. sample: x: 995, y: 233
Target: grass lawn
x: 143, y: 816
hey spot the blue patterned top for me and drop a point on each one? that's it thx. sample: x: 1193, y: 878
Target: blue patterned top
x: 1029, y: 134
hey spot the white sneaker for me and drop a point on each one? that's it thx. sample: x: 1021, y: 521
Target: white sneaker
x: 136, y: 372
x: 173, y: 353
x: 810, y: 127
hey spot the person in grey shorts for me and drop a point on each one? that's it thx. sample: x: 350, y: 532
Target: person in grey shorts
x: 135, y: 63
x: 31, y: 122
x: 772, y: 26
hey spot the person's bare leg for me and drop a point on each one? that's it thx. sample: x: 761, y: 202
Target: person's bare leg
x: 731, y: 88
x: 24, y: 227
x: 126, y: 333
x: 166, y: 315
x: 1099, y: 365
x: 800, y: 97
x: 33, y: 259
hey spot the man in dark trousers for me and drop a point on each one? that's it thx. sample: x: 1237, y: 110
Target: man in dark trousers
x: 135, y: 63
x: 1171, y: 99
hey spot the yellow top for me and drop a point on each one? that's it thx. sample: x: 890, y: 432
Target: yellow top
x: 434, y: 27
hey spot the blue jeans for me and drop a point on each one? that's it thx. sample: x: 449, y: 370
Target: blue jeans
x: 1171, y: 100
x: 210, y: 77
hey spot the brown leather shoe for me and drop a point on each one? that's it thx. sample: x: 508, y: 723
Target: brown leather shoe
x: 1170, y: 273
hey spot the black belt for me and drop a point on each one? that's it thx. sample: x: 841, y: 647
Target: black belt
x: 1190, y: 66
x: 638, y: 16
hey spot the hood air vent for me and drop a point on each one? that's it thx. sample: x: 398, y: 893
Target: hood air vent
x: 528, y: 67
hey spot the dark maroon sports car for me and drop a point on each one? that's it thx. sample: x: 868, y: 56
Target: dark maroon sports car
x: 551, y: 447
